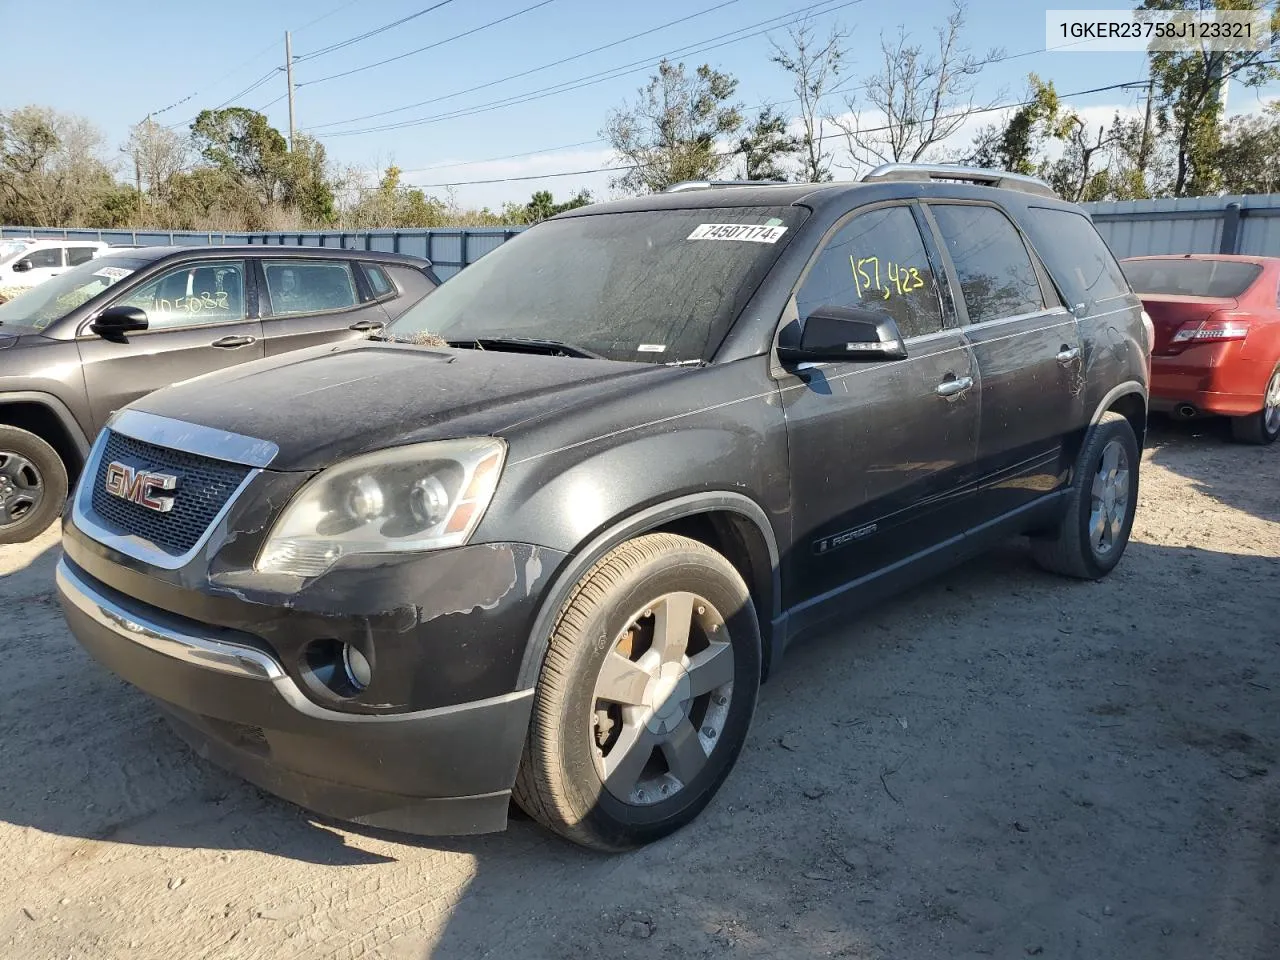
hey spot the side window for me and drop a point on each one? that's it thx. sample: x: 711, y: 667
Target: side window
x: 206, y: 292
x: 45, y: 257
x: 876, y: 261
x: 309, y: 286
x: 997, y: 278
x: 379, y: 282
x: 1078, y: 257
x: 79, y: 255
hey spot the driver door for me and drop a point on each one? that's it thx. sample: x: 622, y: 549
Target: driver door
x: 882, y: 452
x: 201, y: 315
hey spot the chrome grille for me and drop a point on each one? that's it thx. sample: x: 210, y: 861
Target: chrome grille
x: 204, y: 486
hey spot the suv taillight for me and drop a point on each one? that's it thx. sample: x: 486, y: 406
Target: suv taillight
x: 1217, y: 329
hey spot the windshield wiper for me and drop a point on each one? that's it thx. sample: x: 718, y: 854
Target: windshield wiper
x: 539, y: 343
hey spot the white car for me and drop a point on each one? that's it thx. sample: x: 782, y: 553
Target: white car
x: 26, y: 262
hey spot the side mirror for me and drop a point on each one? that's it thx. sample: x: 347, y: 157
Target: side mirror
x: 22, y: 266
x: 114, y: 323
x: 845, y: 334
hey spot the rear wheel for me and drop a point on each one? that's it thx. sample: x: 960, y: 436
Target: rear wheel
x: 1264, y: 426
x: 33, y: 485
x: 645, y: 696
x: 1101, y: 504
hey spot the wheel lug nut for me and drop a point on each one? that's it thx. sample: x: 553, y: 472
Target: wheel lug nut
x: 701, y: 609
x: 722, y: 700
x: 708, y: 731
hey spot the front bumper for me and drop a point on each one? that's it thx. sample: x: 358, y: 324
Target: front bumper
x: 447, y: 770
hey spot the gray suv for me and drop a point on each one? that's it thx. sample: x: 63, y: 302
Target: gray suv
x: 543, y: 538
x: 102, y: 334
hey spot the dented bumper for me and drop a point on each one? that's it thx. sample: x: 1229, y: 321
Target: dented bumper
x: 439, y: 629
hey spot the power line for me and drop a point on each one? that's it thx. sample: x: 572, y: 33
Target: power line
x: 585, y: 143
x: 244, y: 63
x: 637, y: 166
x: 430, y: 46
x: 371, y: 33
x: 591, y: 79
x: 532, y: 70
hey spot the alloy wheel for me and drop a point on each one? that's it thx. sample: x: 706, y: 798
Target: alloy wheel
x: 661, y: 698
x: 1109, y: 504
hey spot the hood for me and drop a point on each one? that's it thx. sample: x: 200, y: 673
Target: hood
x: 331, y: 402
x: 1169, y: 312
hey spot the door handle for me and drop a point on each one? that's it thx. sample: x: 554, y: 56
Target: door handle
x: 1067, y: 353
x: 954, y: 387
x: 367, y: 325
x: 231, y: 343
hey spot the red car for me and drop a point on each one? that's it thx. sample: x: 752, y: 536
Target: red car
x: 1217, y: 338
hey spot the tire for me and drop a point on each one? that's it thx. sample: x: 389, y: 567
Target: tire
x: 1074, y: 549
x: 1262, y: 427
x: 573, y: 779
x: 33, y: 485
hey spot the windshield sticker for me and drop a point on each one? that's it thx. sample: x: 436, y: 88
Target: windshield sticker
x: 737, y: 231
x: 652, y: 348
x: 112, y: 273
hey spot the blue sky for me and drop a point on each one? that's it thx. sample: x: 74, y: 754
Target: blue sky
x: 116, y: 62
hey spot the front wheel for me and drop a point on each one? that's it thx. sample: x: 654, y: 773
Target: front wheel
x: 645, y: 696
x: 33, y: 485
x: 1101, y: 504
x: 1264, y: 426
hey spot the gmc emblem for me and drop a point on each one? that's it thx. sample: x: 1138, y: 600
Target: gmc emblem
x: 138, y: 486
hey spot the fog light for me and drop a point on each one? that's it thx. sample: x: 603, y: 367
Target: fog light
x: 359, y: 670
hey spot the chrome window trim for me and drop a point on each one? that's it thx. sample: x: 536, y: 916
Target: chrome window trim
x: 999, y: 321
x: 176, y: 435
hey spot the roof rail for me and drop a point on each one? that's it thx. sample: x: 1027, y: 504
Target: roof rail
x: 710, y: 184
x: 947, y: 171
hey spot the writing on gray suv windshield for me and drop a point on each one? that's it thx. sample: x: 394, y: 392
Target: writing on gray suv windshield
x: 657, y: 286
x: 56, y: 297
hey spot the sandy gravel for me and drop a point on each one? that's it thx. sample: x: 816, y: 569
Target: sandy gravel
x: 1000, y: 764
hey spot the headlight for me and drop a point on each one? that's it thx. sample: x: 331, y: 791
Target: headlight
x: 421, y: 497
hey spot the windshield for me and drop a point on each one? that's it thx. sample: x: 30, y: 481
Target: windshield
x: 1191, y: 278
x: 657, y: 286
x: 55, y: 298
x: 9, y: 249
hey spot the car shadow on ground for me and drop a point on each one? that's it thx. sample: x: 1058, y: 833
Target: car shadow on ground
x: 1202, y: 451
x: 967, y: 765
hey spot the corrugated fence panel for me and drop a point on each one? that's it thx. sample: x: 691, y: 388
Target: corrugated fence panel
x: 449, y: 249
x: 1131, y: 228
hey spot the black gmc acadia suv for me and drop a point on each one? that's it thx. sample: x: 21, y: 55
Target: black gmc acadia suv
x: 543, y: 538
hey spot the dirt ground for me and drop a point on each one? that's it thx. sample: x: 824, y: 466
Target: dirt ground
x: 999, y: 764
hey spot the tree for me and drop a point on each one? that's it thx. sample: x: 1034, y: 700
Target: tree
x: 670, y: 134
x: 917, y: 100
x: 254, y: 156
x: 1016, y: 146
x: 1249, y: 157
x: 244, y: 146
x: 542, y: 205
x: 51, y: 169
x: 766, y: 144
x: 814, y: 65
x: 1189, y: 86
x: 156, y: 155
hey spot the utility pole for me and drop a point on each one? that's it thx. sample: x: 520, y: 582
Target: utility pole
x: 137, y: 170
x: 288, y: 71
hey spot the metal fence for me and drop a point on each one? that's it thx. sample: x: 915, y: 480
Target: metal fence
x: 449, y: 250
x: 1247, y: 224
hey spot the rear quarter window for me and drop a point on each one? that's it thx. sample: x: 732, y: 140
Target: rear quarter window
x: 1077, y: 257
